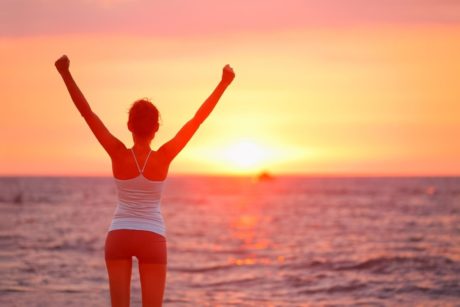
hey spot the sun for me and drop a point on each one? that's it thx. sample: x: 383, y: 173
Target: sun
x: 242, y: 156
x: 245, y: 155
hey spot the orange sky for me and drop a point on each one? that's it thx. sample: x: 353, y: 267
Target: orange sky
x: 366, y: 88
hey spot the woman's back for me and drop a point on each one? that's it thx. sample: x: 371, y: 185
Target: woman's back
x: 139, y: 201
x: 124, y: 166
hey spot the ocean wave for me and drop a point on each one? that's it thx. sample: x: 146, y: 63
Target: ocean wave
x: 444, y: 290
x: 16, y: 289
x: 232, y: 282
x: 389, y: 264
x: 384, y: 264
x: 353, y: 286
x: 201, y: 269
x: 377, y: 291
x: 11, y: 198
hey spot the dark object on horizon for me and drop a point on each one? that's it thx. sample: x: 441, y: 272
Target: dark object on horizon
x: 18, y: 198
x: 264, y: 176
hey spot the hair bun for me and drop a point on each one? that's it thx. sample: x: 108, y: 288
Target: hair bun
x: 143, y: 118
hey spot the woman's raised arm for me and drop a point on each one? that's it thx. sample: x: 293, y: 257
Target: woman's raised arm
x: 110, y: 143
x: 171, y: 148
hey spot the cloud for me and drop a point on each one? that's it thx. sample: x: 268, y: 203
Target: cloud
x: 203, y: 17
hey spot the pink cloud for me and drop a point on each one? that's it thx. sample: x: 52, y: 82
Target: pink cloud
x: 174, y: 17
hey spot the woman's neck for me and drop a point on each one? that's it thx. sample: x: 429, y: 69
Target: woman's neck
x: 141, y: 144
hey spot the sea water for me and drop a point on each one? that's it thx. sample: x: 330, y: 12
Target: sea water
x: 235, y: 241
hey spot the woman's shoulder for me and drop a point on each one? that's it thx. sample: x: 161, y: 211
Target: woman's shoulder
x: 124, y: 166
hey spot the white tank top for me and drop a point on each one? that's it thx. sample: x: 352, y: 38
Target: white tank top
x: 139, y: 202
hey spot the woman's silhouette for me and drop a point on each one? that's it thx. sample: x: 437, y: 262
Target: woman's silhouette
x: 137, y: 227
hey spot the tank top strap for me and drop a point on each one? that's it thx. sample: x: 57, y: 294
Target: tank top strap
x: 137, y: 163
x: 146, y: 160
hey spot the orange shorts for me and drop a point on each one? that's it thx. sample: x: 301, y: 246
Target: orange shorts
x: 146, y: 246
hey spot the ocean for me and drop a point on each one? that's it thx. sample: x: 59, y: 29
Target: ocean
x: 236, y: 241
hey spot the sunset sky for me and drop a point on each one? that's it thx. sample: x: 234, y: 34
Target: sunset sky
x: 357, y: 87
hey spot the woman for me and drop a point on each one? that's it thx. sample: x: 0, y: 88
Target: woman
x: 137, y: 227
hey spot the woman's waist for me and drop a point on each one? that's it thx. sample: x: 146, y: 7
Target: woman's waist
x: 135, y: 203
x: 144, y: 206
x: 150, y: 214
x: 130, y: 233
x: 136, y: 223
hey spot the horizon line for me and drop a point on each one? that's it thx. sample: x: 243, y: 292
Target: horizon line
x: 250, y: 175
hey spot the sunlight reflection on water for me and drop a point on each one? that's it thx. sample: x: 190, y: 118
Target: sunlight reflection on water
x: 286, y: 242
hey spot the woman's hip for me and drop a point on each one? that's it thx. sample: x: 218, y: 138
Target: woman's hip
x: 147, y: 246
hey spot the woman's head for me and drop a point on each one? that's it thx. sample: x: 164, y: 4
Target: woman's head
x: 143, y: 119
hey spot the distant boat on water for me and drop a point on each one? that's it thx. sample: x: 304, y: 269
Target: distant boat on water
x: 264, y: 176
